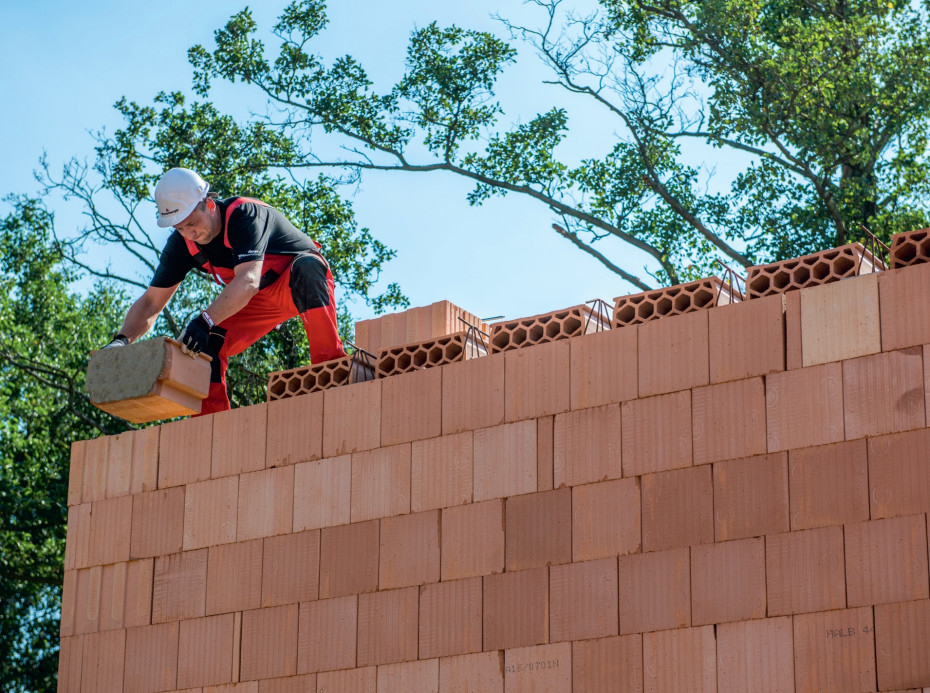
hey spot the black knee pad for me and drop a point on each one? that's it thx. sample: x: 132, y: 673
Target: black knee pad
x: 308, y: 284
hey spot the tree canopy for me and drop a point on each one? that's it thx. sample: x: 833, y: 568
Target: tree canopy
x: 817, y: 109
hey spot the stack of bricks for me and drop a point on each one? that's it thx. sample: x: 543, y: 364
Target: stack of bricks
x: 731, y: 499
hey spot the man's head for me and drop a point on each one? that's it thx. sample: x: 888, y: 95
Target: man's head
x: 181, y: 196
x: 177, y: 194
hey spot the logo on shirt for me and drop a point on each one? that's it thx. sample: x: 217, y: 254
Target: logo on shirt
x: 249, y: 253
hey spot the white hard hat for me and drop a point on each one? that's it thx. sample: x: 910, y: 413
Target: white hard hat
x: 176, y: 194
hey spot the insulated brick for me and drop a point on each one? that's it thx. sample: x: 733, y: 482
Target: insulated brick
x: 583, y: 600
x: 441, y: 471
x: 751, y: 497
x: 829, y: 484
x: 351, y: 418
x: 78, y: 536
x: 94, y: 458
x: 746, y: 339
x: 291, y: 568
x: 886, y: 561
x: 450, y: 618
x: 151, y: 658
x: 839, y: 321
x: 673, y: 300
x: 904, y: 321
x: 349, y: 559
x: 409, y: 676
x: 144, y: 476
x: 409, y: 551
x: 678, y: 508
x: 327, y: 634
x: 902, y: 641
x: 180, y: 586
x: 295, y: 430
x: 322, y: 493
x: 110, y: 529
x: 516, y: 609
x: 104, y: 657
x: 87, y: 600
x: 605, y: 664
x: 76, y: 472
x: 804, y: 407
x: 909, y: 248
x: 793, y: 356
x: 673, y: 354
x: 239, y: 440
x: 473, y: 540
x: 606, y: 519
x: 729, y: 420
x: 657, y: 433
x: 266, y: 503
x: 139, y: 585
x: 380, y: 483
x: 210, y: 512
x: 473, y: 394
x: 655, y: 591
x: 538, y: 529
x: 70, y: 660
x: 586, y: 446
x: 603, y: 368
x: 362, y: 680
x: 112, y: 597
x: 538, y: 669
x: 68, y: 599
x: 728, y: 581
x: 157, y: 523
x: 884, y: 393
x: 834, y: 650
x: 411, y: 406
x: 269, y: 642
x: 234, y: 577
x: 755, y: 656
x: 483, y: 671
x: 819, y: 268
x: 680, y: 661
x: 545, y: 453
x: 549, y: 327
x: 505, y: 459
x: 805, y: 571
x: 387, y: 626
x: 536, y: 381
x: 119, y: 464
x: 185, y: 451
x: 205, y: 651
x: 898, y: 476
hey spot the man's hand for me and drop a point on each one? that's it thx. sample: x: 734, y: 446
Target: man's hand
x: 196, y: 335
x: 118, y: 341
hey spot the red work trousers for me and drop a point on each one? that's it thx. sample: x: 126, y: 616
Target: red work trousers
x: 266, y: 310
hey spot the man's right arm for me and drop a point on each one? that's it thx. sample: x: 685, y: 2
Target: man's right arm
x: 145, y: 310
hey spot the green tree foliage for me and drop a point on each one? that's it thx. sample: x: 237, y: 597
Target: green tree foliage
x: 818, y: 106
x: 46, y: 332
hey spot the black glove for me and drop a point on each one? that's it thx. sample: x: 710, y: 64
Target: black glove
x: 195, y: 336
x: 118, y: 341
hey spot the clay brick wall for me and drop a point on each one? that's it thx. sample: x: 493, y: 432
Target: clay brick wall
x: 731, y: 499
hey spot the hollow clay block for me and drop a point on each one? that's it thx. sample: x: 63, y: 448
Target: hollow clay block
x: 148, y: 381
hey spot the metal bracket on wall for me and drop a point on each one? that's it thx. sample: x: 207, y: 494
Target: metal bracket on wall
x: 733, y: 279
x: 474, y: 340
x: 361, y: 364
x: 604, y: 313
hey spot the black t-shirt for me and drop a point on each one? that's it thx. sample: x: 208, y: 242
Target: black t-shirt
x: 254, y: 231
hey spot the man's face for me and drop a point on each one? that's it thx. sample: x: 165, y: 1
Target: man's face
x: 197, y: 227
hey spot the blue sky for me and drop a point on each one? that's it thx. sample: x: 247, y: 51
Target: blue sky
x: 66, y: 64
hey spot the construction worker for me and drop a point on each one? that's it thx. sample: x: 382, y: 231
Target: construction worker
x: 270, y: 272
